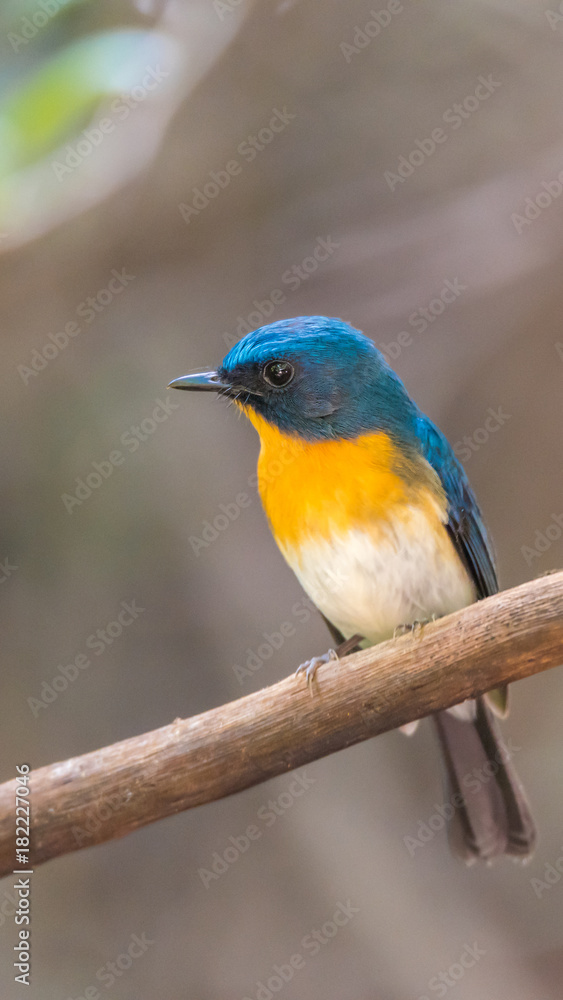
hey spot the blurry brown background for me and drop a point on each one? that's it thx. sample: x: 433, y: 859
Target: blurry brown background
x: 355, y: 114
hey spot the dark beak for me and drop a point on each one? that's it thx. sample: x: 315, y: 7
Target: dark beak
x: 203, y: 382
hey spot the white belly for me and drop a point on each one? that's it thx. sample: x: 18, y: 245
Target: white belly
x: 369, y: 583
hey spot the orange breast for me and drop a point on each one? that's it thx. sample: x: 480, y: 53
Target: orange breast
x: 311, y: 490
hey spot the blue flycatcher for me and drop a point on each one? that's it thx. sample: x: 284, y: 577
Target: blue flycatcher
x: 376, y: 517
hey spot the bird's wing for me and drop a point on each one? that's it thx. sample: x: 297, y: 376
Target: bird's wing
x: 465, y: 527
x: 465, y: 523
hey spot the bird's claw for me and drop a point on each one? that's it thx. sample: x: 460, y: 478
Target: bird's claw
x: 310, y: 667
x: 414, y: 627
x: 401, y: 629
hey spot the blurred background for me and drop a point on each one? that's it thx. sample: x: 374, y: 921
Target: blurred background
x: 150, y: 216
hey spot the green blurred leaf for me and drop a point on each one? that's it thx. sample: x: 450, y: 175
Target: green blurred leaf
x: 62, y: 94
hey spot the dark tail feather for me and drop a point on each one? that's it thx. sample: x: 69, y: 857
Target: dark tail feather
x: 494, y: 817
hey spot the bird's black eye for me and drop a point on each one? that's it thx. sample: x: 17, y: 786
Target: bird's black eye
x: 278, y: 373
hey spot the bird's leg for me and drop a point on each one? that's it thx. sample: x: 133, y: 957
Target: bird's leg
x: 310, y: 667
x: 415, y: 627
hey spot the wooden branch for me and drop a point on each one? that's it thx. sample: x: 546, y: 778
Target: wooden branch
x: 111, y: 792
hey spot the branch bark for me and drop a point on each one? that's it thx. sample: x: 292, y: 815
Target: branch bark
x: 113, y: 791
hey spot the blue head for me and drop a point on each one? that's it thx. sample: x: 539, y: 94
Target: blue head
x: 314, y: 377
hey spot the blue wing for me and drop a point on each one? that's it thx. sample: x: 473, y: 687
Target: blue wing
x: 465, y: 524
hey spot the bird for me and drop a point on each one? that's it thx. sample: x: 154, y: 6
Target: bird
x: 374, y: 513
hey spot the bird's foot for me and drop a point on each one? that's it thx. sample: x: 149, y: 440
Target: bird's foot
x: 310, y: 667
x: 414, y: 627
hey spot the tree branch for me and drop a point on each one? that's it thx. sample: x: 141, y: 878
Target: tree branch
x: 111, y: 792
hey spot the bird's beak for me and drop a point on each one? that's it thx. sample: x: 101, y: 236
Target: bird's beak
x: 202, y: 382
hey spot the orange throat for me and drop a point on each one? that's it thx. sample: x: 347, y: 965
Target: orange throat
x: 313, y: 490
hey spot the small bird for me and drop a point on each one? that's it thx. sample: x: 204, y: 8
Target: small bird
x: 375, y: 515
